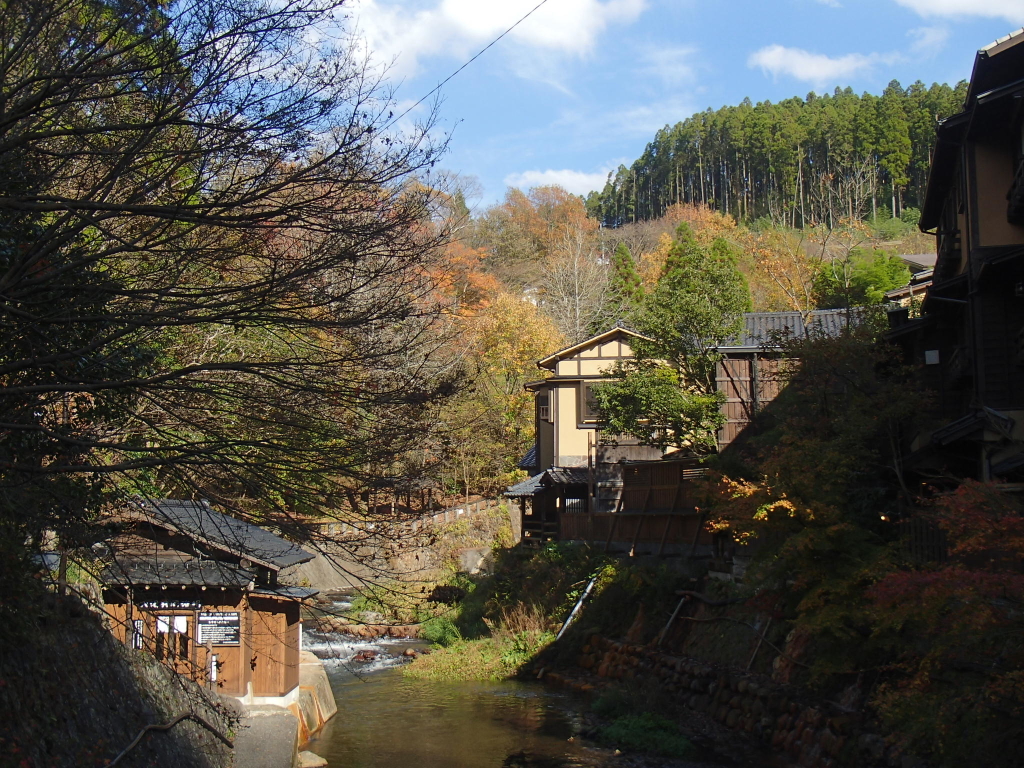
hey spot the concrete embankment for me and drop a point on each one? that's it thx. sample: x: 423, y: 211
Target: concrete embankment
x: 272, y: 736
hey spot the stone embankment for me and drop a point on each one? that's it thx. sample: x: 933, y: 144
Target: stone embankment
x: 814, y: 734
x: 344, y: 626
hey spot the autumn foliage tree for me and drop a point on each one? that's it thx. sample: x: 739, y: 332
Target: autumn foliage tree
x: 955, y: 679
x: 489, y: 428
x: 930, y: 640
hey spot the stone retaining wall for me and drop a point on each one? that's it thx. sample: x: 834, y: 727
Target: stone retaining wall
x: 814, y: 734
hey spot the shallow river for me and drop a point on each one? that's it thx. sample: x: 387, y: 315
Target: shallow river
x: 385, y: 720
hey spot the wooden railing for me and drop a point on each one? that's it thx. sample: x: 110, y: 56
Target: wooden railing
x: 409, y: 526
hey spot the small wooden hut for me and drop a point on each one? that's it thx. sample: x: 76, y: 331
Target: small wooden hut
x: 199, y: 589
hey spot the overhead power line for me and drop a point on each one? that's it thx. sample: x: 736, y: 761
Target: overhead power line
x: 482, y: 51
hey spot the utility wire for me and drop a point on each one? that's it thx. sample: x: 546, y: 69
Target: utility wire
x: 453, y: 74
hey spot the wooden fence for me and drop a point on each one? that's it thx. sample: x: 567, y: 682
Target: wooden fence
x: 649, y: 533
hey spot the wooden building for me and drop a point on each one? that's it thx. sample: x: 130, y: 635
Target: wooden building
x: 751, y: 372
x: 969, y: 339
x: 567, y: 422
x: 199, y: 589
x: 656, y: 513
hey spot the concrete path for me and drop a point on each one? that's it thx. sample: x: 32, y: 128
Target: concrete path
x: 267, y: 738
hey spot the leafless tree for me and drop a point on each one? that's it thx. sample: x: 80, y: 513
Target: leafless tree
x: 574, y: 286
x: 215, y: 261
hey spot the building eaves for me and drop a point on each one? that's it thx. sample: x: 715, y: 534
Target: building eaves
x: 190, y: 573
x: 945, y: 158
x: 290, y: 593
x: 995, y: 64
x: 529, y: 461
x: 566, y: 476
x: 600, y: 338
x: 965, y: 426
x: 524, y: 489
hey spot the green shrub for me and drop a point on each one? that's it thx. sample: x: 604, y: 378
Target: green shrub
x: 440, y: 630
x: 521, y: 647
x: 491, y: 658
x: 612, y: 703
x: 646, y: 732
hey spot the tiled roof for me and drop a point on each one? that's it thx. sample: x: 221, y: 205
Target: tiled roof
x: 547, y: 478
x: 201, y: 573
x: 295, y: 593
x: 527, y: 487
x: 567, y: 476
x: 198, y: 520
x: 529, y: 461
x: 767, y: 329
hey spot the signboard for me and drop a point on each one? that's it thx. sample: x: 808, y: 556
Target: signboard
x: 170, y: 605
x: 219, y: 628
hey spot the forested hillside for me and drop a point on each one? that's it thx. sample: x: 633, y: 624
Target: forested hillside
x: 798, y: 162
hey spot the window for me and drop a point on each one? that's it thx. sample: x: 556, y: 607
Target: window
x: 172, y: 637
x: 544, y: 407
x: 588, y: 403
x: 575, y: 506
x: 138, y: 626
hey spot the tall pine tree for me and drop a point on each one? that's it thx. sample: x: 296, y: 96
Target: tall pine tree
x: 625, y: 288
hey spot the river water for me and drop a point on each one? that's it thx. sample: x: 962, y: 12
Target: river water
x: 386, y: 720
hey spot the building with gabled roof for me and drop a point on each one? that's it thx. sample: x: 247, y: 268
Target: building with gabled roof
x: 200, y: 590
x: 566, y: 419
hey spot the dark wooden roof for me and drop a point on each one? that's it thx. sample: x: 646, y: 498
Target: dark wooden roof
x: 997, y: 64
x: 199, y: 521
x: 548, y: 478
x: 566, y: 476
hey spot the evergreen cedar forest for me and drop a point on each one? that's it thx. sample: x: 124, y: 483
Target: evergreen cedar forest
x: 225, y: 274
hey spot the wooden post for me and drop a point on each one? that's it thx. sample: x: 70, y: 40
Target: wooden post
x: 611, y: 532
x: 193, y: 646
x: 636, y: 533
x: 760, y: 639
x: 696, y: 535
x: 664, y: 536
x: 62, y: 573
x: 129, y: 613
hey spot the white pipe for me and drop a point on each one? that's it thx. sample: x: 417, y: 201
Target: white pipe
x: 576, y: 608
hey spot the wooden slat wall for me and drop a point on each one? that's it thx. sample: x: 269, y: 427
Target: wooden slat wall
x: 647, y: 529
x: 749, y: 383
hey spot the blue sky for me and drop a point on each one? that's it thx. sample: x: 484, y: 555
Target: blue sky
x: 583, y: 85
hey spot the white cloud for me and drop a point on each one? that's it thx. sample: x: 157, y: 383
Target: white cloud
x: 576, y: 182
x: 672, y: 66
x: 927, y: 41
x: 402, y: 30
x: 831, y: 3
x: 1011, y: 10
x: 815, y: 68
